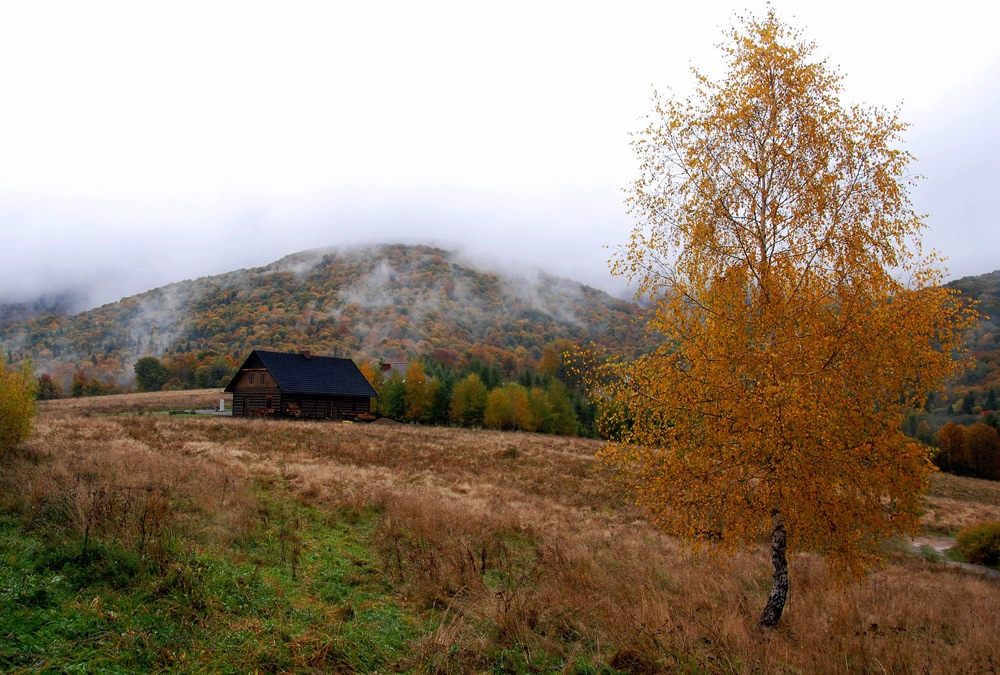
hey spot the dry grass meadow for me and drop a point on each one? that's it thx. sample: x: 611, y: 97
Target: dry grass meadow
x: 506, y: 543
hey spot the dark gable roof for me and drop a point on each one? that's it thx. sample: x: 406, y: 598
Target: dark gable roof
x: 296, y: 374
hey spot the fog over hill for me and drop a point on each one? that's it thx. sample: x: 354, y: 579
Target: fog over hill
x: 389, y: 301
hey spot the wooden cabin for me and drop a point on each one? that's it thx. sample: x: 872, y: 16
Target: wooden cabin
x: 300, y: 385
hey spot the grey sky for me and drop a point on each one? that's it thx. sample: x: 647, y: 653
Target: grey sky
x: 145, y: 145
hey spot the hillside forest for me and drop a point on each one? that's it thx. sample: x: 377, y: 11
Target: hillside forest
x: 376, y: 305
x: 498, y: 341
x: 962, y: 420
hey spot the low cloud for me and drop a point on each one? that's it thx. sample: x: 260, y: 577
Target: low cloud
x: 102, y: 253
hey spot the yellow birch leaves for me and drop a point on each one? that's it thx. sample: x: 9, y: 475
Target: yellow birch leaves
x: 779, y: 253
x: 17, y: 405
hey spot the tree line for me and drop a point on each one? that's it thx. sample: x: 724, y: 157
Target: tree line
x: 202, y: 370
x: 962, y: 433
x: 529, y: 395
x: 969, y: 451
x: 437, y: 394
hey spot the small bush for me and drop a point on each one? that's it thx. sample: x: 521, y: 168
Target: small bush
x: 17, y: 405
x: 980, y: 544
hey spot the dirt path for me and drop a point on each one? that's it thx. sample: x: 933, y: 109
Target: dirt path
x: 942, y: 544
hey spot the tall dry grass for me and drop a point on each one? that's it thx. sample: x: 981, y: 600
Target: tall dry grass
x: 145, y: 401
x: 121, y: 479
x: 956, y: 502
x: 518, y: 544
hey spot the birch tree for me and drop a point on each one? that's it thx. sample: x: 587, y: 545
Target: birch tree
x: 779, y: 252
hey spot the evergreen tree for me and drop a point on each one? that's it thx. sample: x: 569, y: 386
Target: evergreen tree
x: 993, y: 419
x: 489, y: 374
x: 48, y: 389
x: 560, y: 418
x: 968, y: 402
x: 78, y: 387
x: 441, y: 408
x: 150, y: 374
x: 392, y: 402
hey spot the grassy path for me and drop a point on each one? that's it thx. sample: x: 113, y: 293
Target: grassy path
x: 304, y: 594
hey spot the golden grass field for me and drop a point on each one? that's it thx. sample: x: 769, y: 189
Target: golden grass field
x: 453, y: 506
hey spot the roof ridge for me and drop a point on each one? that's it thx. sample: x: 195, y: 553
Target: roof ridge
x: 325, y: 375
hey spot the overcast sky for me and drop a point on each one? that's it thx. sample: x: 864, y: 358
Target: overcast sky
x: 144, y: 144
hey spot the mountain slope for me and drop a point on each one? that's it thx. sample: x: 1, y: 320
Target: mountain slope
x: 983, y: 339
x: 379, y: 302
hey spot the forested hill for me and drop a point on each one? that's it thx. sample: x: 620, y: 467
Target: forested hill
x: 387, y: 302
x: 984, y: 339
x: 985, y: 290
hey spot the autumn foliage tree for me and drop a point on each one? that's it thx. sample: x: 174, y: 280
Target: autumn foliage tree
x: 468, y: 401
x: 17, y: 405
x: 419, y: 396
x: 373, y: 373
x: 983, y: 443
x: 500, y: 410
x: 953, y: 454
x: 777, y: 248
x: 48, y: 388
x: 970, y: 451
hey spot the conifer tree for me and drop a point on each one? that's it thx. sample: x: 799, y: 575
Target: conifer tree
x: 969, y: 402
x: 392, y: 399
x: 991, y: 400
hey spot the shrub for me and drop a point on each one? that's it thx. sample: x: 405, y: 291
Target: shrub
x: 980, y: 544
x: 17, y: 405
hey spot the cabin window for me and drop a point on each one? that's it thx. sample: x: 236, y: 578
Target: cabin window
x: 250, y: 378
x: 263, y: 378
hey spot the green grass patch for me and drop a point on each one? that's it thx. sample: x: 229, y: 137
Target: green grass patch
x: 302, y: 594
x: 931, y: 553
x: 954, y: 554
